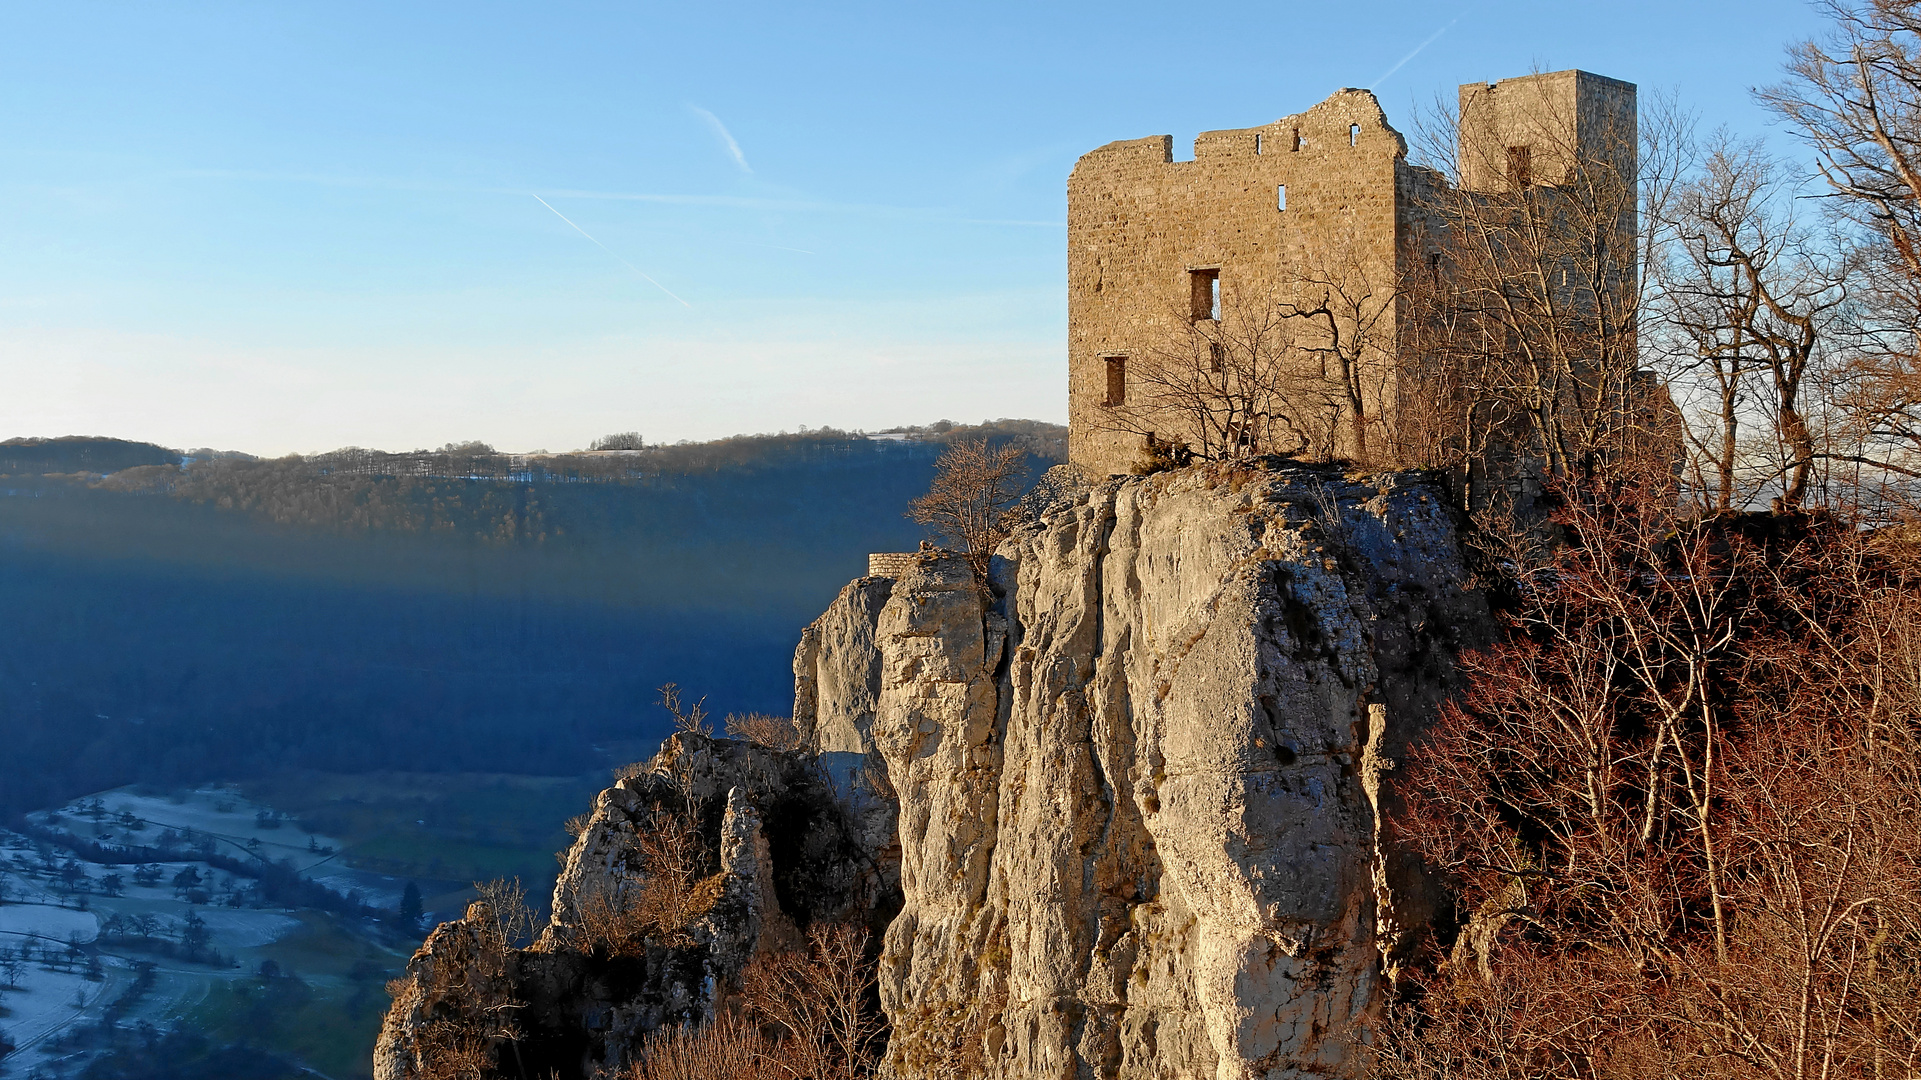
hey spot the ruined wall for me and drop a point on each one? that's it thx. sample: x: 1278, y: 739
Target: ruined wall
x: 1358, y: 221
x: 1139, y: 221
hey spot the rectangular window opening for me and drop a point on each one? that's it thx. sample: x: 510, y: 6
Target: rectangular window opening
x: 1297, y: 140
x: 1257, y: 144
x: 1204, y: 294
x: 1280, y: 197
x: 1353, y: 134
x: 1520, y: 165
x: 1216, y: 356
x: 1116, y: 381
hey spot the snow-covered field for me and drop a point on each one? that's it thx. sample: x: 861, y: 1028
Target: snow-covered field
x: 45, y: 902
x: 45, y: 1001
x: 218, y: 812
x: 47, y: 922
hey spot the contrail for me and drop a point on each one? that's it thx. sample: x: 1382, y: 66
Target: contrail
x: 720, y: 129
x: 610, y: 251
x: 1431, y: 39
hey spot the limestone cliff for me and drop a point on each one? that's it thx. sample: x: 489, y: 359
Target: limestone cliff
x: 769, y: 846
x: 1125, y: 811
x: 1142, y: 784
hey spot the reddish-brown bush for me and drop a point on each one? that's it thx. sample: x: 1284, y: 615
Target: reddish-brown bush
x: 1682, y: 806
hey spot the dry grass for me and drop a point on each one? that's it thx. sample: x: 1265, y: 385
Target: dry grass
x: 728, y: 1049
x: 774, y: 732
x: 804, y: 1015
x: 673, y: 894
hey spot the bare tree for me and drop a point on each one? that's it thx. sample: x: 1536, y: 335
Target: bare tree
x: 975, y: 485
x: 1350, y: 337
x: 1854, y: 96
x: 1236, y: 385
x: 1681, y: 803
x: 1525, y: 290
x: 1748, y: 296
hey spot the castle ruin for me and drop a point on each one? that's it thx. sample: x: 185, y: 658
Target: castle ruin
x: 1290, y: 245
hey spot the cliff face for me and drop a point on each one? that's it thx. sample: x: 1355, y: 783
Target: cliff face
x: 1144, y: 790
x: 768, y: 847
x: 1126, y: 813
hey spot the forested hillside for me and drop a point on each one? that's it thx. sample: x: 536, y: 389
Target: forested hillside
x: 449, y: 610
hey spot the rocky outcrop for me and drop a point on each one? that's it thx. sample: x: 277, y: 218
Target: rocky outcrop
x: 1145, y: 781
x: 1124, y: 811
x: 768, y: 848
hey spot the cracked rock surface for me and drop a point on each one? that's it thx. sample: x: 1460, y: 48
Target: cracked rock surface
x: 1125, y: 812
x: 1145, y: 783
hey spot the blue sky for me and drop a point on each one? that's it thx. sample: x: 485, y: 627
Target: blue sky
x: 294, y: 226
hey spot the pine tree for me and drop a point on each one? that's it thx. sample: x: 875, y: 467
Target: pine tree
x: 410, y: 905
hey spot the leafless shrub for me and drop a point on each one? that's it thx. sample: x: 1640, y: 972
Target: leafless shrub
x: 688, y: 717
x: 1681, y: 806
x: 775, y: 732
x: 1216, y: 388
x: 461, y: 1000
x: 511, y: 921
x: 821, y: 1001
x: 804, y: 1015
x: 672, y: 894
x: 727, y: 1049
x: 975, y: 486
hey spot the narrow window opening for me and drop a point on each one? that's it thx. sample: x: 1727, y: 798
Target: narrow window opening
x: 1520, y: 165
x: 1216, y: 356
x: 1116, y: 381
x: 1280, y: 197
x: 1353, y: 134
x: 1204, y: 294
x: 1257, y: 144
x: 1297, y: 139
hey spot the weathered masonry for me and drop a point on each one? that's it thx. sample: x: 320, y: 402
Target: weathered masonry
x: 1320, y: 209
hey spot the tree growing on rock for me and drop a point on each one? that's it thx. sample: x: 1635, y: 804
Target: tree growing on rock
x: 975, y: 486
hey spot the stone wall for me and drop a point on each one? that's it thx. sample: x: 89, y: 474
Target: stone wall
x: 1559, y: 117
x: 1354, y: 226
x: 890, y: 564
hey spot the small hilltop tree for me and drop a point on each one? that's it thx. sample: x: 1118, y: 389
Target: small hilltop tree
x: 975, y: 487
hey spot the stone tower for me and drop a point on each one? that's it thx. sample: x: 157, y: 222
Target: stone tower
x: 1316, y: 210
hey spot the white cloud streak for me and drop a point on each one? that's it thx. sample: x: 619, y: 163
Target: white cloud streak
x: 610, y: 251
x: 1431, y: 39
x: 737, y: 202
x: 727, y: 137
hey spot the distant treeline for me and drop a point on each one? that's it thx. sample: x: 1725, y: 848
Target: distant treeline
x: 80, y: 454
x: 435, y: 611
